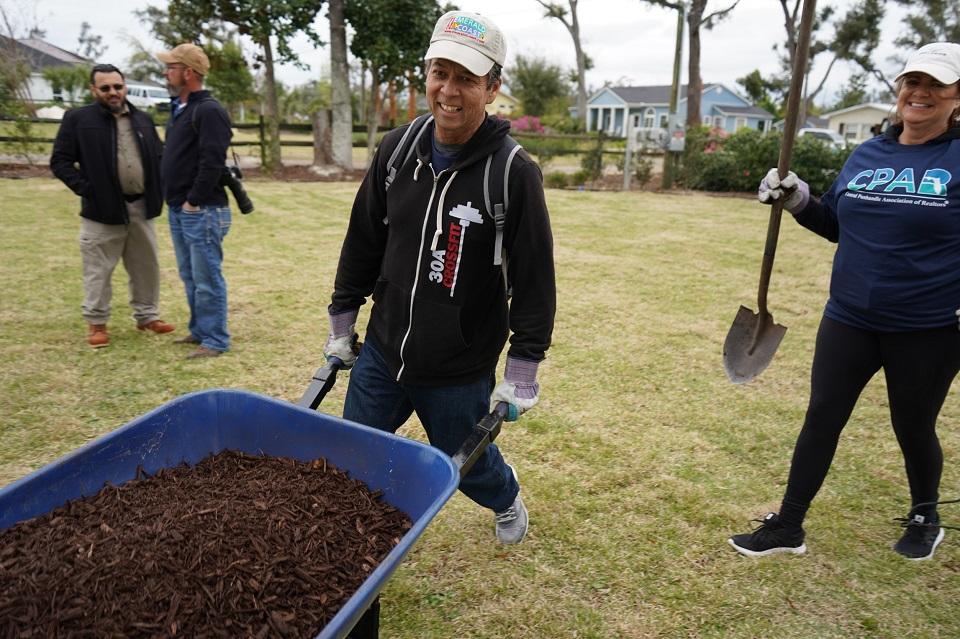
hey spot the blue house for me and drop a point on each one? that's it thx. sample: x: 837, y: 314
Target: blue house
x: 617, y: 109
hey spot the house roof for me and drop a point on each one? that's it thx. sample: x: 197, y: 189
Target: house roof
x: 726, y: 109
x: 40, y: 54
x: 880, y: 106
x: 649, y: 94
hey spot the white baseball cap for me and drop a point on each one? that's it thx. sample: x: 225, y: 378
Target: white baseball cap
x: 469, y: 39
x: 940, y: 60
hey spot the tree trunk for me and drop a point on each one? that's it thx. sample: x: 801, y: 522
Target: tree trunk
x: 581, y: 65
x: 694, y: 82
x: 392, y: 93
x: 374, y: 115
x: 322, y: 152
x: 341, y: 141
x: 411, y: 101
x: 273, y: 161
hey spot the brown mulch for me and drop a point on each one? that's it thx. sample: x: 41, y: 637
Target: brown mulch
x: 234, y: 546
x: 20, y: 171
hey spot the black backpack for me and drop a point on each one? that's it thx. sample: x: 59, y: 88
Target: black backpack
x: 497, y: 163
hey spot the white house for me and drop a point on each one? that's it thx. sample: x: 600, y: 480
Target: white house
x: 855, y: 123
x: 41, y: 55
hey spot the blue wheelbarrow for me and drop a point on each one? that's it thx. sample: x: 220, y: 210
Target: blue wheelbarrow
x: 413, y: 477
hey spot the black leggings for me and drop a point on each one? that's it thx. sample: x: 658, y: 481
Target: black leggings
x: 919, y: 367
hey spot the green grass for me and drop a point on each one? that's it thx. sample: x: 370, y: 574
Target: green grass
x: 638, y: 463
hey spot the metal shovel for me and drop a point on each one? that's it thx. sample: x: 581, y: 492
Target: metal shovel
x: 754, y: 337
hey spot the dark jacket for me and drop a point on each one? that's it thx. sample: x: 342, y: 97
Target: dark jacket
x: 440, y: 314
x: 196, y: 152
x: 85, y: 159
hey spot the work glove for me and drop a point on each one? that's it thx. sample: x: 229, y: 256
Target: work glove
x: 519, y: 388
x: 795, y: 190
x: 342, y: 340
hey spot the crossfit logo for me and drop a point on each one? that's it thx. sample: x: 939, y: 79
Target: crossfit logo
x: 446, y: 264
x: 933, y: 183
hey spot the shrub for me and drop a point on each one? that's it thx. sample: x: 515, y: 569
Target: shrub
x: 556, y: 180
x: 592, y: 161
x: 580, y: 178
x: 527, y: 124
x: 740, y: 161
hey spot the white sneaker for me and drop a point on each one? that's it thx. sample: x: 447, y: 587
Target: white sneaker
x: 512, y: 523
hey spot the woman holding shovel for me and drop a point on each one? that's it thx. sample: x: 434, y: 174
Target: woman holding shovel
x: 894, y: 212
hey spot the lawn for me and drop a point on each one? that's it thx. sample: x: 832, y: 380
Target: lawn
x: 638, y: 463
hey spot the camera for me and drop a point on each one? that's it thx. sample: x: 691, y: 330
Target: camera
x: 231, y: 178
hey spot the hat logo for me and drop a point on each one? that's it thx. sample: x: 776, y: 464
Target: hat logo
x: 468, y: 28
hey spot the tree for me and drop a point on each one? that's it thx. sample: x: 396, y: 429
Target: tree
x: 230, y: 77
x: 559, y: 12
x: 536, y: 82
x: 264, y: 21
x: 341, y: 142
x: 390, y: 37
x: 696, y: 20
x: 933, y: 21
x: 90, y: 46
x: 854, y: 93
x: 760, y: 91
x: 70, y: 80
x: 142, y: 64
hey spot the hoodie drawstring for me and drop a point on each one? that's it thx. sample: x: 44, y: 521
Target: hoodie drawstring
x: 443, y: 194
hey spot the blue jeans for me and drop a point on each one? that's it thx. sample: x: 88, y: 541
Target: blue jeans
x: 448, y: 414
x: 198, y: 243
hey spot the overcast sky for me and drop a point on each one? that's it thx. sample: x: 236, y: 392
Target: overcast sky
x: 629, y: 41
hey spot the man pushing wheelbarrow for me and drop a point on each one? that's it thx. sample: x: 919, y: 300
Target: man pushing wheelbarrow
x: 449, y: 222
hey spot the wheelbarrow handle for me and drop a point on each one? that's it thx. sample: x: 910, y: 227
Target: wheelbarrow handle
x: 321, y: 383
x: 479, y: 438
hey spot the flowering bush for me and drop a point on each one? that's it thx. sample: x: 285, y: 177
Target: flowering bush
x: 527, y: 124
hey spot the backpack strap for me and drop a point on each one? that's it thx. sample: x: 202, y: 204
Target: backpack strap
x: 499, y: 163
x: 196, y: 109
x: 405, y: 147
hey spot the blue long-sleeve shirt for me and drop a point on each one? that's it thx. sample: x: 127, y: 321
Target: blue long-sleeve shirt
x: 894, y: 211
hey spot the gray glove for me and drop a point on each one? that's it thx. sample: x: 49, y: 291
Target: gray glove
x: 342, y: 341
x: 795, y: 190
x: 519, y: 387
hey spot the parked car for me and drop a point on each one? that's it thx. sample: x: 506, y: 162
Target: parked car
x: 143, y: 96
x: 826, y: 135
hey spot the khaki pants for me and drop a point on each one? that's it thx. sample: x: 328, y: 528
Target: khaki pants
x: 102, y: 246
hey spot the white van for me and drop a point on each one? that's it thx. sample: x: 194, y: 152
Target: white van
x: 143, y: 96
x: 825, y: 135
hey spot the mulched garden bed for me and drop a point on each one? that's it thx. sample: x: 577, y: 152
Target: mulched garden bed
x: 234, y: 546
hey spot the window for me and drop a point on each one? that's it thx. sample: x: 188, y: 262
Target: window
x: 663, y: 120
x: 648, y: 117
x: 739, y: 124
x: 761, y: 124
x: 707, y: 120
x: 636, y: 120
x: 718, y: 121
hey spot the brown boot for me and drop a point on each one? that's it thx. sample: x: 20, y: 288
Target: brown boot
x: 97, y: 336
x: 203, y: 351
x: 157, y: 326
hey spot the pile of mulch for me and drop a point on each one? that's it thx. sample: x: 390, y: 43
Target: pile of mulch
x: 235, y: 546
x: 21, y: 171
x: 300, y: 173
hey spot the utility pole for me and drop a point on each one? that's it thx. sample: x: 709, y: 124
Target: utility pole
x: 671, y: 156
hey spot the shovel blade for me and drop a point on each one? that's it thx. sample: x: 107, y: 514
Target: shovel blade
x: 751, y: 342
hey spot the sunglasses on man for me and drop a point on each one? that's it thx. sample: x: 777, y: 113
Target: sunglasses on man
x: 105, y: 88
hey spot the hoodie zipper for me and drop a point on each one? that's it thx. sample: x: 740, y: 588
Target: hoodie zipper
x: 423, y: 232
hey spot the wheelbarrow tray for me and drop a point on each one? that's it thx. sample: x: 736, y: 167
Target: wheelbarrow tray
x: 414, y: 477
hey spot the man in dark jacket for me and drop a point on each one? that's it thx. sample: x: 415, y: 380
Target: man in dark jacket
x: 198, y: 135
x: 108, y: 153
x: 426, y: 249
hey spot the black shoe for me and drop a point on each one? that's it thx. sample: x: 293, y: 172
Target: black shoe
x: 772, y: 537
x: 921, y: 537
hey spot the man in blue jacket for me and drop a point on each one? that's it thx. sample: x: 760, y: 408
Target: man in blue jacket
x: 108, y: 153
x: 198, y: 135
x: 428, y: 252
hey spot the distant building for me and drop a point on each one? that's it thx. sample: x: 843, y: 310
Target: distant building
x: 857, y: 123
x: 504, y: 106
x: 41, y: 55
x: 615, y: 109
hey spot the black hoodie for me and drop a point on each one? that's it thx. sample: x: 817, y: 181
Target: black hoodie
x: 424, y: 250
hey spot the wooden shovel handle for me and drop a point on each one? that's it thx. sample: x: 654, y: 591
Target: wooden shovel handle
x: 786, y: 147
